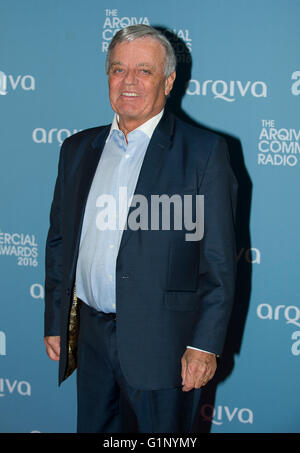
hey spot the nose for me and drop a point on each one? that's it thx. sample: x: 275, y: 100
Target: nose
x: 130, y: 77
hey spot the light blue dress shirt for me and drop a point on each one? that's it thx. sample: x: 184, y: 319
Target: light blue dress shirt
x: 119, y: 167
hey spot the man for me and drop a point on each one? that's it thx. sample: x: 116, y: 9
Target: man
x: 152, y: 307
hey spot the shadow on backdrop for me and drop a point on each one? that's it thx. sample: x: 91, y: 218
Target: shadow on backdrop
x: 244, y: 267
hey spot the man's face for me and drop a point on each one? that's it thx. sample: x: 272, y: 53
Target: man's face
x: 137, y: 85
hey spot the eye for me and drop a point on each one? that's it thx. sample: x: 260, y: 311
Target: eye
x: 145, y: 71
x: 117, y: 70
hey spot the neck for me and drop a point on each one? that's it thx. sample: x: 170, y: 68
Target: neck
x: 128, y: 126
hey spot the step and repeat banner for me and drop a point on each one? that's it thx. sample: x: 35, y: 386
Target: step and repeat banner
x: 238, y: 74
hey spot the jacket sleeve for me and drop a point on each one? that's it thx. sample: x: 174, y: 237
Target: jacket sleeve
x: 53, y: 257
x: 217, y: 267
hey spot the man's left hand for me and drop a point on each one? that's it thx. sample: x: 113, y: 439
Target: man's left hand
x: 197, y: 368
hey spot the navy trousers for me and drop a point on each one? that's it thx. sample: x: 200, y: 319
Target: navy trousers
x: 107, y: 403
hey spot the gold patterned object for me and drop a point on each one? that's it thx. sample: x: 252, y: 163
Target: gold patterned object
x: 73, y: 335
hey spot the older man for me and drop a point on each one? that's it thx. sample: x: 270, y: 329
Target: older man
x: 142, y: 312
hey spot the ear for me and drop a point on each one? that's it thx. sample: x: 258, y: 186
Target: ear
x: 169, y: 83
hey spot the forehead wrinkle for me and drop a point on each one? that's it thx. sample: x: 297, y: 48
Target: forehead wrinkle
x: 149, y: 65
x: 116, y: 62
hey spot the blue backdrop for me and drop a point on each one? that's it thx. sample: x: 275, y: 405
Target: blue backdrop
x: 241, y: 59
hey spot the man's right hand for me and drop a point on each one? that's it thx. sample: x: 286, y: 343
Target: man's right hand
x: 52, y: 347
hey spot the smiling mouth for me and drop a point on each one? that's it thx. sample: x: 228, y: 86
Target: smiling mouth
x: 129, y: 94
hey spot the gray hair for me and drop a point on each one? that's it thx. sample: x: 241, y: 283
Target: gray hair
x: 141, y: 31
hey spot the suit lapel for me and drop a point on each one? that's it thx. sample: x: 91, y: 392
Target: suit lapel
x: 152, y: 164
x: 88, y: 168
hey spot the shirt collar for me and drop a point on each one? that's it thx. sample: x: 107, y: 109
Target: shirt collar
x: 147, y: 127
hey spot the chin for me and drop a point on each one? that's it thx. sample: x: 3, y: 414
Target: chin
x: 130, y: 113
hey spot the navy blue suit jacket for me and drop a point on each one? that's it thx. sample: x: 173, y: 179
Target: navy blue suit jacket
x: 170, y: 292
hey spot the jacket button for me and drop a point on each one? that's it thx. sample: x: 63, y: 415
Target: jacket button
x: 68, y: 292
x: 125, y: 276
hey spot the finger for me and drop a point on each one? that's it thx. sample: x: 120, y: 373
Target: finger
x: 187, y: 389
x: 53, y: 355
x: 202, y: 376
x: 202, y: 370
x: 56, y: 350
x: 56, y: 347
x: 189, y: 382
x: 202, y: 381
x: 183, y: 370
x: 53, y: 343
x: 53, y: 351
